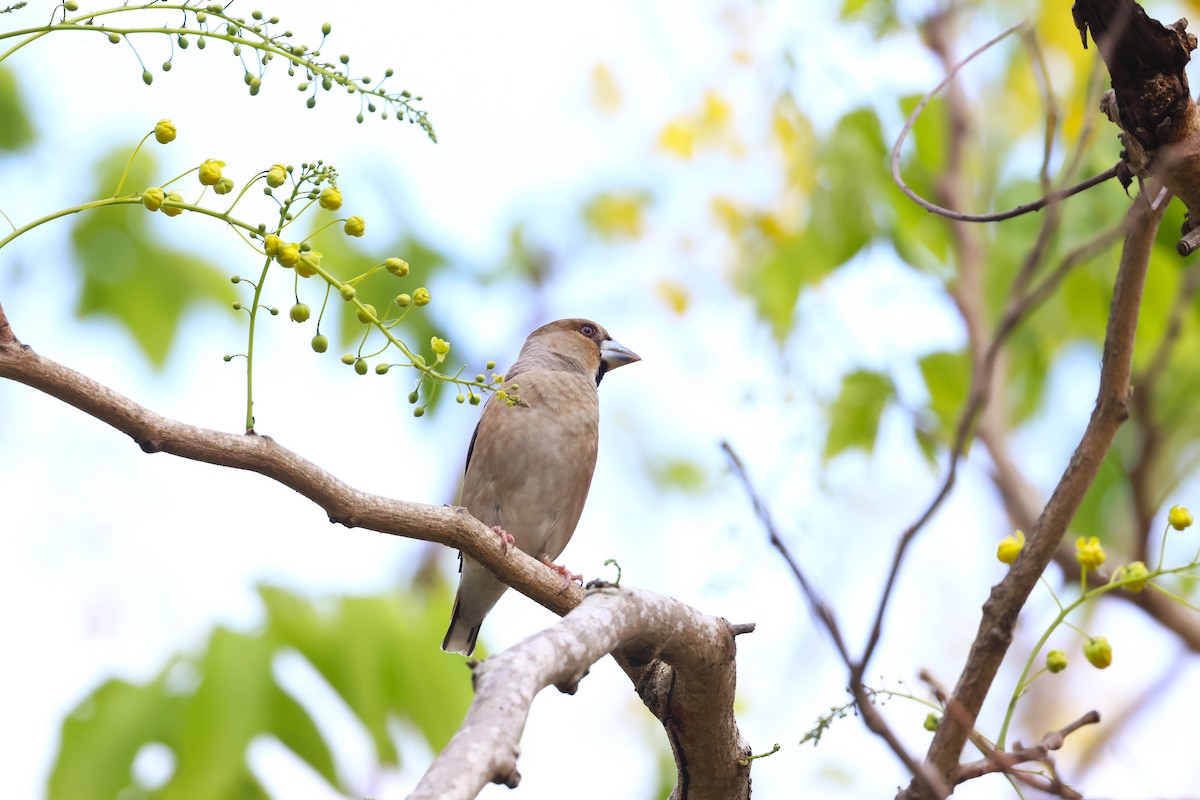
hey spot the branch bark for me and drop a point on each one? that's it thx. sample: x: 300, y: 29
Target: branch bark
x: 688, y: 684
x: 681, y: 662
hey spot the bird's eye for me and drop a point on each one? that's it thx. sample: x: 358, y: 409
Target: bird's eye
x: 587, y: 330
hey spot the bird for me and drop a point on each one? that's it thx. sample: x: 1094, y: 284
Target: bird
x: 530, y: 462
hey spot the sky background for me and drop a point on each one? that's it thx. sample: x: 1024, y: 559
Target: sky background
x: 111, y: 560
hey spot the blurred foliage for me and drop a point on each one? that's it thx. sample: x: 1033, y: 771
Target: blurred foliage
x: 129, y: 275
x: 16, y: 129
x: 207, y: 708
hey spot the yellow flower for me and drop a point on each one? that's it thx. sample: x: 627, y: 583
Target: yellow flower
x: 153, y: 197
x: 421, y: 296
x: 288, y: 255
x: 1179, y: 518
x: 174, y: 197
x: 1010, y: 547
x: 1098, y: 652
x: 164, y: 131
x: 1135, y: 573
x: 276, y: 175
x: 271, y: 244
x: 331, y: 198
x: 210, y: 172
x: 355, y: 226
x: 1089, y: 553
x: 440, y: 348
x: 1056, y: 661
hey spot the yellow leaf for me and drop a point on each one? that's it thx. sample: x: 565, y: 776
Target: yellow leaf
x: 716, y: 114
x: 678, y: 138
x: 606, y: 94
x: 674, y: 295
x: 616, y: 215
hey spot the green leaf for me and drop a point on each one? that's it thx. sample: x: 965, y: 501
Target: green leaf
x: 129, y: 276
x: 16, y: 130
x: 103, y: 735
x: 948, y: 380
x: 854, y: 416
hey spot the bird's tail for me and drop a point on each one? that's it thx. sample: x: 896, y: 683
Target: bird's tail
x: 460, y: 638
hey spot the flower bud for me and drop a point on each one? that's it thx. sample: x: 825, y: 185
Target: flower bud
x: 1179, y: 518
x: 300, y: 312
x: 931, y: 722
x: 1089, y: 553
x: 355, y: 226
x: 1010, y: 547
x: 347, y: 291
x: 174, y: 197
x: 1056, y: 661
x: 396, y: 266
x: 365, y: 313
x: 403, y: 300
x: 164, y: 131
x: 382, y: 369
x: 360, y: 366
x: 152, y: 198
x: 331, y: 198
x: 421, y: 297
x: 288, y: 255
x: 1098, y: 652
x: 276, y: 176
x: 1134, y: 575
x: 271, y: 244
x: 349, y: 358
x: 320, y: 343
x: 210, y: 171
x: 224, y: 186
x: 308, y: 264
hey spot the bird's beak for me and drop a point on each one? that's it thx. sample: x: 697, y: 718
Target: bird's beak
x: 614, y: 354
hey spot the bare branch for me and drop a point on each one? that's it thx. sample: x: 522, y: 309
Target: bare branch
x: 690, y: 688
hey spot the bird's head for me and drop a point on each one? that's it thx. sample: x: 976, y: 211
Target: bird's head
x: 579, y: 344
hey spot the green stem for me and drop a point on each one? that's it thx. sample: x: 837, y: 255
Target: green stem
x: 254, y: 309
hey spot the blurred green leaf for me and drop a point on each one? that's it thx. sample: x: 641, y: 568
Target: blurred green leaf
x: 129, y: 276
x: 678, y: 474
x: 16, y: 130
x: 947, y: 379
x: 378, y: 653
x: 854, y: 416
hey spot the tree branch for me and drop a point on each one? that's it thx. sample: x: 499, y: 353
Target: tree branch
x: 689, y: 687
x: 1008, y: 597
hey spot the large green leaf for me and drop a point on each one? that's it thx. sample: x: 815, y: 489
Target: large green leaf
x: 129, y: 275
x: 379, y: 653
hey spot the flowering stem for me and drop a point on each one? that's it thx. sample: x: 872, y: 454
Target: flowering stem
x: 254, y: 309
x: 129, y: 163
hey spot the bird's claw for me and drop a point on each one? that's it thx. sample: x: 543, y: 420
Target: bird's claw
x: 567, y: 575
x: 506, y: 538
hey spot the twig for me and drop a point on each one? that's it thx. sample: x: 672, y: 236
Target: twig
x: 1036, y: 205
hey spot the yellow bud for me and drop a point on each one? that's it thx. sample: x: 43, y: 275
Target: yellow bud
x: 164, y: 131
x: 331, y: 198
x: 1134, y: 575
x: 210, y: 171
x: 1098, y: 652
x: 276, y: 176
x: 1179, y: 518
x: 288, y: 255
x: 931, y: 721
x: 1056, y: 661
x: 308, y: 264
x: 271, y: 244
x: 421, y: 297
x: 355, y: 226
x: 396, y: 266
x: 1089, y: 553
x: 174, y: 197
x: 1010, y: 547
x: 152, y: 198
x: 347, y: 291
x: 403, y: 300
x: 365, y: 314
x: 224, y: 186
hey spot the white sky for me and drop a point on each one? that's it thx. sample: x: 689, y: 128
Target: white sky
x: 111, y: 560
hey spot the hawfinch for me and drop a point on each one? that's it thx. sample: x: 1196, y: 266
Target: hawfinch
x: 530, y: 464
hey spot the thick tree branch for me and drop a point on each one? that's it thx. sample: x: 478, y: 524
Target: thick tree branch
x: 1008, y: 597
x: 690, y: 689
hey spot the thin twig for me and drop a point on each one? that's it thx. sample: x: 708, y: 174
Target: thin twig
x: 1036, y: 205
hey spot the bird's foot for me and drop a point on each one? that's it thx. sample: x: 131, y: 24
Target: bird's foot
x: 506, y: 538
x: 567, y: 575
